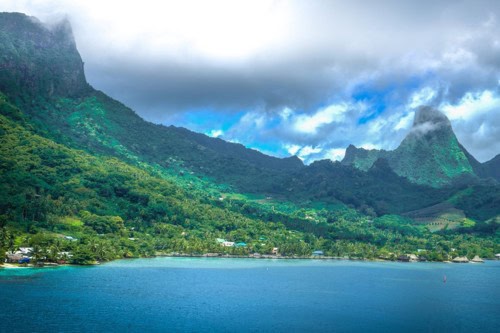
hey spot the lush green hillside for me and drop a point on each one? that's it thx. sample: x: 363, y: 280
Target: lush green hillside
x: 76, y: 163
x: 114, y: 209
x: 49, y: 188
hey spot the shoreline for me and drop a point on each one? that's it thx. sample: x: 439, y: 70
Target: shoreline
x: 48, y: 265
x: 234, y: 256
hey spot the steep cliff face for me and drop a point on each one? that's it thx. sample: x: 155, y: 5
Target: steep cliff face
x: 39, y: 60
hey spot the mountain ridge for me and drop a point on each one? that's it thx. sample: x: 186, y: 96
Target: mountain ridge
x: 95, y: 122
x: 80, y: 121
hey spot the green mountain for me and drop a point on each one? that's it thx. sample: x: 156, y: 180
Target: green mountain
x: 429, y: 155
x: 42, y: 70
x: 75, y: 162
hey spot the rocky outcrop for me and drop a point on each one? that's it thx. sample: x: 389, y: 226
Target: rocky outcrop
x: 39, y: 60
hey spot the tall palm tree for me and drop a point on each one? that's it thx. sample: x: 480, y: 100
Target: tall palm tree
x: 38, y: 254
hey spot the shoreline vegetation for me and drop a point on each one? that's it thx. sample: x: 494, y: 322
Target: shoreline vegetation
x: 251, y: 256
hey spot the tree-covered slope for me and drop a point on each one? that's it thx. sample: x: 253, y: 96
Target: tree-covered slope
x: 75, y: 162
x: 378, y: 191
x: 55, y: 198
x: 46, y: 186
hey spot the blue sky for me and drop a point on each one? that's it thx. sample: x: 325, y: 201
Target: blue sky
x: 294, y: 77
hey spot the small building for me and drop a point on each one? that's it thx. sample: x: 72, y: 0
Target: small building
x: 318, y: 253
x: 228, y: 244
x: 275, y: 251
x: 497, y: 256
x: 477, y: 259
x: 64, y: 254
x: 26, y: 250
x: 241, y: 244
x: 220, y: 240
x: 13, y: 257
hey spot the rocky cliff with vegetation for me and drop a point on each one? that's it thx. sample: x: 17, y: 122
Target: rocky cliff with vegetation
x: 429, y: 155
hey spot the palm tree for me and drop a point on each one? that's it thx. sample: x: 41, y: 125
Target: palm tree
x: 53, y: 252
x: 38, y: 254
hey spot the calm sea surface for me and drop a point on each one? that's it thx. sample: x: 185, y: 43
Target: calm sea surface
x: 240, y: 295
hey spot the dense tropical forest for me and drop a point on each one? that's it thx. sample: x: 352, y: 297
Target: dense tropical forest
x: 83, y: 179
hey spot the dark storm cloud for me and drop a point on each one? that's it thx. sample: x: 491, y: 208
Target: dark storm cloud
x: 173, y: 88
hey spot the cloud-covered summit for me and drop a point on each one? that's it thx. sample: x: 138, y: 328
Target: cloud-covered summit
x: 295, y: 77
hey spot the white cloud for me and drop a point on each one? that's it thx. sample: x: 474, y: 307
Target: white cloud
x: 306, y: 151
x: 405, y: 122
x: 292, y: 149
x: 422, y: 97
x: 215, y: 133
x: 286, y: 113
x: 335, y: 154
x: 282, y: 58
x: 369, y: 146
x: 471, y: 105
x: 309, y: 124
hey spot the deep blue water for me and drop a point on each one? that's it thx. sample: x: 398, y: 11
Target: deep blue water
x: 240, y: 295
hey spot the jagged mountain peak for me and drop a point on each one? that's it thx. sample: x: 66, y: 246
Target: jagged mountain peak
x: 430, y: 154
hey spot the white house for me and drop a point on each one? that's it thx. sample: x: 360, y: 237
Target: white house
x: 26, y: 250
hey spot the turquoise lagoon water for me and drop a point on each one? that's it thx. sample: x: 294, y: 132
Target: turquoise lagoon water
x: 245, y: 295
